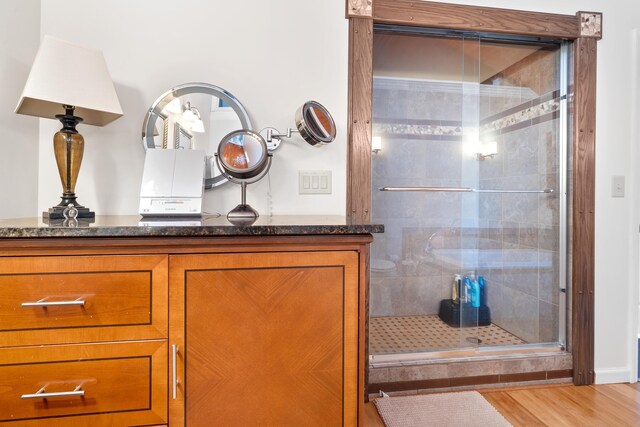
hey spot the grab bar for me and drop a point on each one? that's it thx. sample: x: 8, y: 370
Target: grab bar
x: 463, y: 190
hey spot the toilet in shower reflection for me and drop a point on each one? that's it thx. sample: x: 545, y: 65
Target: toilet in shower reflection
x: 379, y: 265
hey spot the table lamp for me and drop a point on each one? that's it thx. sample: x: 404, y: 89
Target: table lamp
x: 70, y: 83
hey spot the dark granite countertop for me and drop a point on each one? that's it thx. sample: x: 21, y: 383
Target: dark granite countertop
x: 136, y: 226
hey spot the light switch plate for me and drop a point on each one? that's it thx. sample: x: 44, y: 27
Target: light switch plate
x: 314, y: 182
x: 617, y: 189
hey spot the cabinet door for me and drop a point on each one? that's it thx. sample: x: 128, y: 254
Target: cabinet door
x: 266, y: 339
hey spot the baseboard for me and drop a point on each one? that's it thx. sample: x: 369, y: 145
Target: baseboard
x: 612, y: 376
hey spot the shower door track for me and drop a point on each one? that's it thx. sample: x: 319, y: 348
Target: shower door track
x: 466, y: 354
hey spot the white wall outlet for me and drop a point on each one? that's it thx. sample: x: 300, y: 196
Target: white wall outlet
x: 617, y: 189
x: 314, y: 182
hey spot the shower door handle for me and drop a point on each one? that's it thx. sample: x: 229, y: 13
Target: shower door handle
x: 464, y: 190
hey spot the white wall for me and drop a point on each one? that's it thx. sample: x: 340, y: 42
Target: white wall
x: 265, y: 53
x: 19, y: 40
x: 273, y: 59
x: 634, y: 249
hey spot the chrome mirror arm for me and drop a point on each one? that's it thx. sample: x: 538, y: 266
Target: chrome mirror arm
x: 277, y: 134
x: 273, y: 137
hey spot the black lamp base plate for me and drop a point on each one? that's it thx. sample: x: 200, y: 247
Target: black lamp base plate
x: 56, y: 212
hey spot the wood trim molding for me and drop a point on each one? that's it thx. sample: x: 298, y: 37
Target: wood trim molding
x: 584, y: 28
x: 359, y: 119
x: 475, y: 18
x: 583, y: 301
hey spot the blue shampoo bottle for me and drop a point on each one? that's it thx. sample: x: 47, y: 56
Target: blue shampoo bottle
x: 475, y: 294
x: 483, y: 292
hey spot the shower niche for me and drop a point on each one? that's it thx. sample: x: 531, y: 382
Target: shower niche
x: 469, y: 177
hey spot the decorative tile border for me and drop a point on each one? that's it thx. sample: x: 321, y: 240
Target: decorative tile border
x: 530, y: 113
x: 524, y: 115
x: 520, y: 107
x: 536, y: 109
x: 417, y: 130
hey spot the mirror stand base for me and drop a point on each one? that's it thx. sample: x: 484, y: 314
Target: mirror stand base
x: 242, y: 215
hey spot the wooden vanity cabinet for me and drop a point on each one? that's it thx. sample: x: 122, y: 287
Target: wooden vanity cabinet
x: 229, y: 331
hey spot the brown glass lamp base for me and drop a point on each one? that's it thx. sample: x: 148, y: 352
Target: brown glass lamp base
x: 68, y: 147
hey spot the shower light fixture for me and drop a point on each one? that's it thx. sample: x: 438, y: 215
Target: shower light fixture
x: 376, y: 144
x: 487, y: 149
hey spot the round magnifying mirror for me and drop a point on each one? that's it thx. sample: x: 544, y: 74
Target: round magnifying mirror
x: 244, y: 158
x: 315, y: 124
x: 194, y: 116
x: 243, y: 154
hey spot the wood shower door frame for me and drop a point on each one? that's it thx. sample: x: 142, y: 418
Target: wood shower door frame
x: 583, y: 29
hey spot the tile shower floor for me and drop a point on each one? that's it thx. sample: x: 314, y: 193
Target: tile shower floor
x: 415, y: 334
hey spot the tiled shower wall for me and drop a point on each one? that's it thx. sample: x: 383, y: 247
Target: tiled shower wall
x: 421, y: 124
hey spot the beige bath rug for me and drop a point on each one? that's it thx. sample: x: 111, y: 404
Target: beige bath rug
x: 465, y: 408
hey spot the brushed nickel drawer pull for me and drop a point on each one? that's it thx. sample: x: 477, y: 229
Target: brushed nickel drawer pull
x: 174, y: 363
x: 41, y: 394
x: 44, y: 303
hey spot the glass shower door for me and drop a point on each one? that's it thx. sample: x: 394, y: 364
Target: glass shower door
x: 467, y: 176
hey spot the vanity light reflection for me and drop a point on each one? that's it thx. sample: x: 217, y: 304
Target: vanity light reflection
x: 191, y: 118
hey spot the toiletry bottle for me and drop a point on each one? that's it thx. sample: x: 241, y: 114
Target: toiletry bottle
x: 455, y: 289
x: 483, y: 292
x: 465, y: 296
x: 475, y: 294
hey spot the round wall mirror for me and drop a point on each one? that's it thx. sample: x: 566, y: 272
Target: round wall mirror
x: 315, y: 124
x: 194, y: 116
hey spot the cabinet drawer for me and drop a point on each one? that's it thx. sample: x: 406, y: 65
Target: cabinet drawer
x: 68, y: 300
x: 108, y: 384
x: 82, y: 299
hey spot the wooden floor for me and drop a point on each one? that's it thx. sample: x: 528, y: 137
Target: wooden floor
x: 558, y: 405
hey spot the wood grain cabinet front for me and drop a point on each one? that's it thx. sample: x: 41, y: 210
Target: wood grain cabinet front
x: 269, y: 339
x: 64, y: 299
x: 231, y: 331
x: 115, y: 384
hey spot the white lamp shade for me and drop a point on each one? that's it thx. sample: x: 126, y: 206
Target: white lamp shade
x: 64, y: 73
